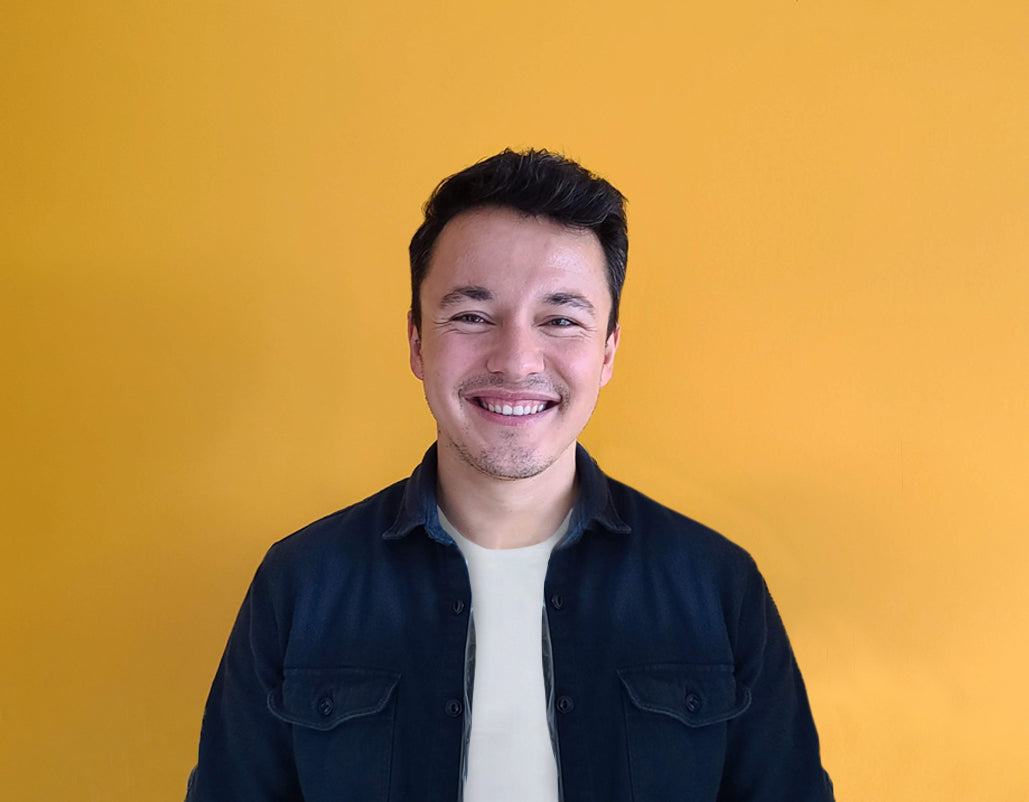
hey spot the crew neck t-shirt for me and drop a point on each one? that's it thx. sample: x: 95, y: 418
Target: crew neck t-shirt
x: 510, y: 755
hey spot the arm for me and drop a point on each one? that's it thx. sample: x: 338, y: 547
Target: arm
x: 772, y: 751
x: 246, y: 752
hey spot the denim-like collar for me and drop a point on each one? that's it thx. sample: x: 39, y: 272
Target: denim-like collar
x: 593, y: 506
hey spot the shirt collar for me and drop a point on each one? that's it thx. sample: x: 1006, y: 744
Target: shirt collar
x: 593, y: 508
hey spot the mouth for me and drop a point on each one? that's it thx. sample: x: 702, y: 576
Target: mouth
x: 513, y: 408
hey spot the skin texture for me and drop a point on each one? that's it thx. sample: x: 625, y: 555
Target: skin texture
x: 514, y: 313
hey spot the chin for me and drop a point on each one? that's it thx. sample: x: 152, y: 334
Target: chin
x: 507, y: 465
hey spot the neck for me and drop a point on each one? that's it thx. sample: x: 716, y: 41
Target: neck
x: 505, y: 513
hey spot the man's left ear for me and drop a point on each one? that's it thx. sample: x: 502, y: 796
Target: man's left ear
x: 609, y: 355
x: 414, y: 342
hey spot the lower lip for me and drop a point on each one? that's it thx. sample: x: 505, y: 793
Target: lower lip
x: 511, y: 420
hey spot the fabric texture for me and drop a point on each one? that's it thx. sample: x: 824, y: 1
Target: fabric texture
x: 510, y: 752
x: 667, y: 668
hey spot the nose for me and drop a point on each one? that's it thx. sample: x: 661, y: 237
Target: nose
x: 516, y: 353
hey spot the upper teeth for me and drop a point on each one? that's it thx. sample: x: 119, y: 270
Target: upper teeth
x: 507, y: 409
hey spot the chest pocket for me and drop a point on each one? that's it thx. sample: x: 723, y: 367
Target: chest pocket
x: 675, y: 718
x: 342, y: 729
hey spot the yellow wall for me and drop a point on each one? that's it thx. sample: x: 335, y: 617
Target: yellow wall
x: 204, y: 211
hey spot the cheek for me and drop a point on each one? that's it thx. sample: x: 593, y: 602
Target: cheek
x: 444, y: 368
x: 454, y: 358
x: 585, y: 371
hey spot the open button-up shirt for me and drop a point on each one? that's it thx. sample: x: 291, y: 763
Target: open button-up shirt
x: 669, y: 675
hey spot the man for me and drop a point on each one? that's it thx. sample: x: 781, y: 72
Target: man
x: 508, y: 623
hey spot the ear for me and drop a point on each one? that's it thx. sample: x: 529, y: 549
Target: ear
x: 414, y: 341
x: 610, y: 347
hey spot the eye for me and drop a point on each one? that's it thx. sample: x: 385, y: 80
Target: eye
x: 468, y: 317
x: 561, y: 322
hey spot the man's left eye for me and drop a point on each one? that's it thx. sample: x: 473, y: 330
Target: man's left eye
x: 561, y: 322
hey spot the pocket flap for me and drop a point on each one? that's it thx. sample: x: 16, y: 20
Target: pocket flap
x: 323, y: 698
x: 695, y: 694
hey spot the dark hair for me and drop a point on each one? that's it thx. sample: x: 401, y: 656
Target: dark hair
x: 535, y: 182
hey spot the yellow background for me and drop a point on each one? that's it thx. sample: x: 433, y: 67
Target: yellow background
x: 204, y: 213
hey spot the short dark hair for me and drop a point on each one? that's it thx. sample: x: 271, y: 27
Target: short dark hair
x: 535, y: 182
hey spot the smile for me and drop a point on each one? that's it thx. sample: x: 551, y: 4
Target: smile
x: 524, y: 408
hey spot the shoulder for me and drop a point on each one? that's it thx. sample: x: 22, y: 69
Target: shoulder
x: 340, y: 537
x: 660, y: 532
x: 699, y: 574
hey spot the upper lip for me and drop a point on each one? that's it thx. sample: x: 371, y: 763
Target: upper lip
x: 512, y: 396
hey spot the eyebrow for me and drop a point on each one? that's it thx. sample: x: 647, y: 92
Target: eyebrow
x: 458, y: 294
x: 572, y: 299
x: 476, y: 292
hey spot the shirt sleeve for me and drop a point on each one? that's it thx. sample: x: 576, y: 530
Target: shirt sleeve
x: 245, y: 751
x: 772, y: 750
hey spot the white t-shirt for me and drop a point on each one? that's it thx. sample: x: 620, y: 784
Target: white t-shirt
x: 510, y: 756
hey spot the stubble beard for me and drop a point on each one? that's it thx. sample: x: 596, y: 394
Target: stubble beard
x: 509, y: 461
x: 507, y: 464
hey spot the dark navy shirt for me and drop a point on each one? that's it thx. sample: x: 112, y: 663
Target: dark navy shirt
x: 669, y: 674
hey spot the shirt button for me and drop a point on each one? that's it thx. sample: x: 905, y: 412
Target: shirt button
x: 453, y: 707
x: 565, y: 704
x: 326, y: 706
x: 557, y: 601
x: 457, y: 607
x: 693, y: 703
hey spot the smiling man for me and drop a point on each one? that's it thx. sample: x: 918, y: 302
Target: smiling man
x: 509, y: 623
x: 512, y: 341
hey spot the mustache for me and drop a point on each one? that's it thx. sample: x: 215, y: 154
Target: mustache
x: 491, y: 382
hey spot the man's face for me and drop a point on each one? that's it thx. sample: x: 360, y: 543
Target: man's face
x: 513, y: 347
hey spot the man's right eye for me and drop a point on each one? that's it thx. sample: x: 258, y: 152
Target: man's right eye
x: 468, y: 317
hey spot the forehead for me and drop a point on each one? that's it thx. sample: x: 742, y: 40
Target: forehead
x: 504, y: 248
